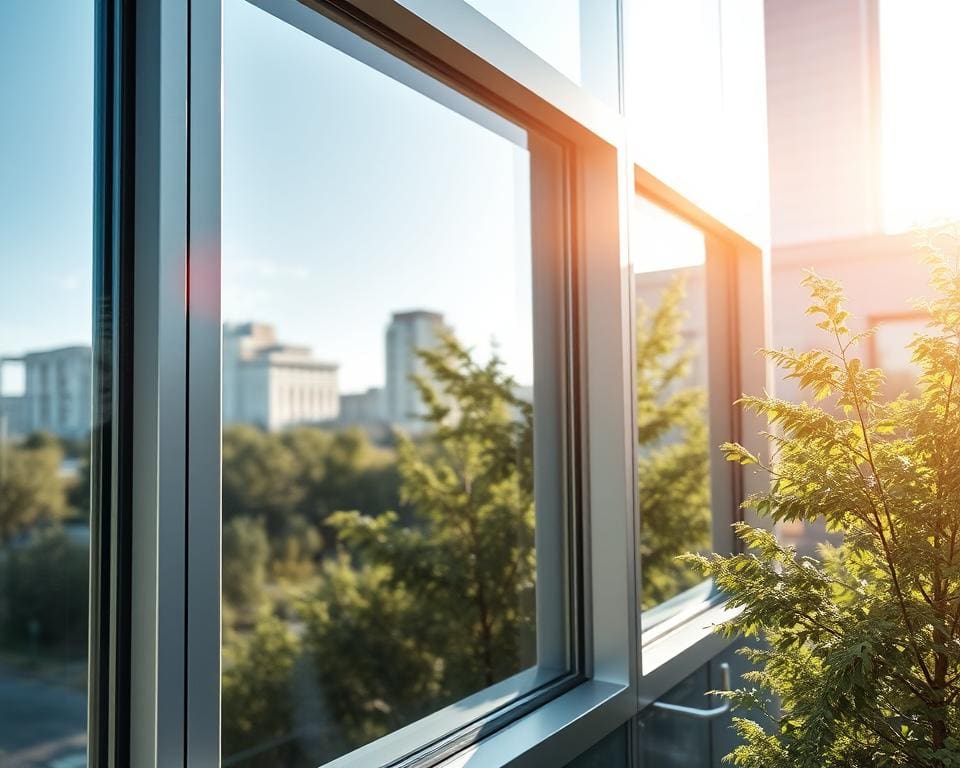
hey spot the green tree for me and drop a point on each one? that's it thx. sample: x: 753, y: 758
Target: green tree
x: 31, y: 489
x: 257, y: 697
x: 863, y: 644
x: 452, y: 592
x: 246, y: 553
x: 674, y: 462
x: 43, y: 593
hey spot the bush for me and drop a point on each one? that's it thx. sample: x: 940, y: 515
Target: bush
x: 863, y: 645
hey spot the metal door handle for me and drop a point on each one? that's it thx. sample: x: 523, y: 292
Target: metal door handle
x: 697, y: 713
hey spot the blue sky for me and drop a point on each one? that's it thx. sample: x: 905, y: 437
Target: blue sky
x: 46, y: 164
x: 346, y: 196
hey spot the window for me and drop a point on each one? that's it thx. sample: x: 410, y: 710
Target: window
x: 398, y: 569
x: 686, y: 378
x: 46, y: 152
x: 578, y: 38
x: 673, y: 439
x: 889, y: 350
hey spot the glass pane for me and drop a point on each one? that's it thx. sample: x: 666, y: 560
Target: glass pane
x: 672, y: 427
x: 378, y: 500
x: 46, y: 185
x: 577, y: 37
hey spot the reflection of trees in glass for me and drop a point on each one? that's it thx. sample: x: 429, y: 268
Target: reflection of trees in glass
x: 398, y: 612
x: 674, y: 461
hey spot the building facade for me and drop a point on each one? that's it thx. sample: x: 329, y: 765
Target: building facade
x: 56, y: 394
x: 407, y: 333
x: 273, y: 385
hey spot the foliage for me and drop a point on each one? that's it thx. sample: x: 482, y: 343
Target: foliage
x: 43, y: 593
x: 674, y: 463
x: 31, y: 490
x: 863, y: 645
x: 423, y: 614
x: 258, y: 697
x: 303, y: 474
x: 245, y: 555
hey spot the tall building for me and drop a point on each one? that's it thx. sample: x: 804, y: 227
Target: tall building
x: 56, y: 394
x: 407, y: 333
x: 274, y: 385
x: 824, y: 84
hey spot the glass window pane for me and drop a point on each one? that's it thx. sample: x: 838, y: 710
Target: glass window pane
x: 378, y: 372
x: 673, y: 440
x: 579, y: 38
x: 46, y: 185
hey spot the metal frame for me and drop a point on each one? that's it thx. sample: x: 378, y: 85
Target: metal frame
x: 737, y: 276
x: 108, y: 688
x: 172, y: 53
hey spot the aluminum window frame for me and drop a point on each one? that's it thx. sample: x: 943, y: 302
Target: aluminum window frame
x: 740, y: 276
x: 177, y: 65
x: 175, y: 642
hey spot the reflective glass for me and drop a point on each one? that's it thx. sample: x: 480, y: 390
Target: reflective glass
x: 673, y: 440
x: 46, y: 186
x: 378, y: 495
x: 579, y: 38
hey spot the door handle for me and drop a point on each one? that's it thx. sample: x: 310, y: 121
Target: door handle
x: 695, y: 712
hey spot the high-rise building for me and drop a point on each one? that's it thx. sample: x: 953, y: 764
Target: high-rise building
x: 407, y: 333
x: 274, y: 385
x: 56, y: 393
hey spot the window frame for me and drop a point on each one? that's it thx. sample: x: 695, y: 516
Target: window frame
x: 175, y: 575
x: 174, y: 637
x: 739, y: 275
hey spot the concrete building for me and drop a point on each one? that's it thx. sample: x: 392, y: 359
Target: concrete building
x: 274, y: 385
x: 362, y: 408
x: 407, y: 333
x: 56, y: 394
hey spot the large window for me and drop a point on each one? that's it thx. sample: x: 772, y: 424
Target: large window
x: 46, y: 153
x: 391, y: 377
x: 687, y: 378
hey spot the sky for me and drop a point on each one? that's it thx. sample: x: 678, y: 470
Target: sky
x: 46, y: 166
x: 920, y: 128
x: 347, y: 196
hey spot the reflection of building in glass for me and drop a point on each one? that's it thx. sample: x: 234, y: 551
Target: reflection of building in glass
x: 56, y: 394
x: 407, y: 333
x: 274, y: 385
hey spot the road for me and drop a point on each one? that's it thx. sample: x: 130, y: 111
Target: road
x: 42, y: 725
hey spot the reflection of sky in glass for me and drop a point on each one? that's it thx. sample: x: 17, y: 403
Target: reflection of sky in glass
x: 46, y: 181
x: 920, y: 66
x: 661, y: 240
x: 549, y: 28
x: 347, y: 196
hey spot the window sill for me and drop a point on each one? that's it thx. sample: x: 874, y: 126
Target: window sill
x: 556, y: 732
x: 670, y: 656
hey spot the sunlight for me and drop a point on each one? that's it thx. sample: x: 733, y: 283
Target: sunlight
x: 919, y: 66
